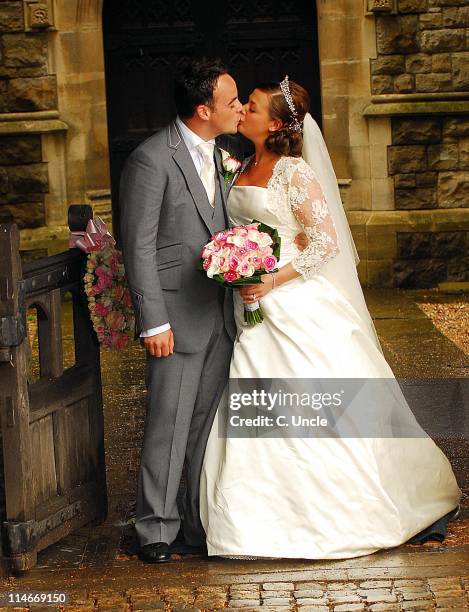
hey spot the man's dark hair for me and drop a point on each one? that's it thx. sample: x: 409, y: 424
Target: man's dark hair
x: 194, y: 84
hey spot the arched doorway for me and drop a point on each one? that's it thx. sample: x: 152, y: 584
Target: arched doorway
x: 146, y: 40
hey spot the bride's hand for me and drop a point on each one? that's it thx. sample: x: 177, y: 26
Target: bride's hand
x: 254, y: 293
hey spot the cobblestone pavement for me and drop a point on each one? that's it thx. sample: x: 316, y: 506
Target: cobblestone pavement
x: 94, y: 568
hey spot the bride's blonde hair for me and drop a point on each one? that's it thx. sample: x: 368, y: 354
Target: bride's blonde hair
x: 286, y: 141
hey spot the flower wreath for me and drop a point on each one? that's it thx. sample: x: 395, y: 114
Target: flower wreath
x: 105, y: 285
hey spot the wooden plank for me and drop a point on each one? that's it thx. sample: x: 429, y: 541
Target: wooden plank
x: 50, y: 334
x: 62, y: 450
x: 44, y: 475
x: 36, y: 485
x: 48, y: 396
x: 72, y: 447
x: 86, y: 342
x: 51, y: 506
x: 14, y: 392
x: 47, y: 463
x: 86, y: 492
x: 52, y: 272
x: 82, y: 440
x: 73, y: 419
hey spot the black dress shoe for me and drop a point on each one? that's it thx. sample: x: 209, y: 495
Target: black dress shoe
x: 157, y: 552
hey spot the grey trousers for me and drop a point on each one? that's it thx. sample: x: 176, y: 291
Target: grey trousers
x: 183, y: 391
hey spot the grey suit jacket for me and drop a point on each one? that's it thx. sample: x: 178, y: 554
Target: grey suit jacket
x: 165, y: 221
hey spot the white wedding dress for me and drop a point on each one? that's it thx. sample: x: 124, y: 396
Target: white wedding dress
x: 312, y: 498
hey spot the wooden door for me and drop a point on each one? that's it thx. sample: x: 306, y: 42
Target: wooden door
x: 145, y: 41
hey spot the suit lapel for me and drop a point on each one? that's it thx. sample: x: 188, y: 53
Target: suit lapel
x: 183, y: 159
x: 221, y: 180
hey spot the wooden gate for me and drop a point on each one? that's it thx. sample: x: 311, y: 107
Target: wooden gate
x: 52, y: 429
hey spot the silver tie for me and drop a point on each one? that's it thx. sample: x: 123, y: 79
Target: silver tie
x: 207, y: 173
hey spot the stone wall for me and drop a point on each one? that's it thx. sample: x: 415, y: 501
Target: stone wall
x: 428, y: 258
x: 429, y: 160
x: 53, y: 126
x: 423, y: 57
x: 23, y: 180
x: 25, y: 87
x: 423, y: 49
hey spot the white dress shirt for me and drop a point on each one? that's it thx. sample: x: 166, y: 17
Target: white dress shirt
x: 191, y: 140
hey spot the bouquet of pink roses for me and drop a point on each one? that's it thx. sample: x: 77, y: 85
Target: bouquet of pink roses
x: 240, y: 256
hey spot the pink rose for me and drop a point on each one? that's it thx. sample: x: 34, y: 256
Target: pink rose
x: 247, y: 269
x: 101, y: 310
x: 100, y: 271
x: 250, y: 246
x: 207, y: 263
x: 104, y: 282
x: 256, y: 262
x: 270, y: 262
x: 230, y: 276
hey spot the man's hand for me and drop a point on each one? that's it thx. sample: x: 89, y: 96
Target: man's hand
x: 301, y: 241
x: 160, y: 345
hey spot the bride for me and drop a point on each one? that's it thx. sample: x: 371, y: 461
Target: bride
x: 310, y: 497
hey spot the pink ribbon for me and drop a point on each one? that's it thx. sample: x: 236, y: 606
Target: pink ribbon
x: 94, y: 238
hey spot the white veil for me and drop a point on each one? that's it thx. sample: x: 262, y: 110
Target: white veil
x: 341, y: 270
x: 316, y: 155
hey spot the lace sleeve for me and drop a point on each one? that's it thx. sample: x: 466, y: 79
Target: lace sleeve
x: 309, y: 206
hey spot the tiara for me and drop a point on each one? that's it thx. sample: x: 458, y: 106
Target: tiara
x: 285, y: 87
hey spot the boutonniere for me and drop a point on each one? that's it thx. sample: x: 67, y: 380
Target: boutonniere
x: 230, y: 166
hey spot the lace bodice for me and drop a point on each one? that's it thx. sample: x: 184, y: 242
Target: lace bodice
x: 295, y: 203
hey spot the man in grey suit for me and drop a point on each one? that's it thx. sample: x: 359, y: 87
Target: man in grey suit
x: 173, y: 198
